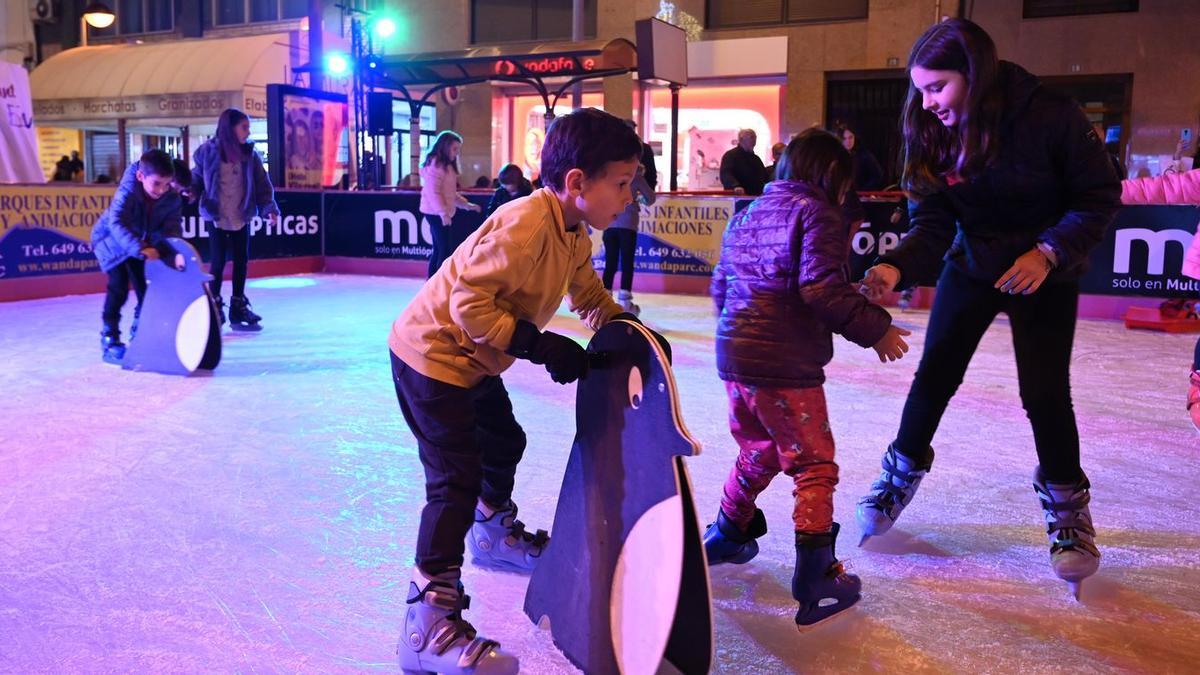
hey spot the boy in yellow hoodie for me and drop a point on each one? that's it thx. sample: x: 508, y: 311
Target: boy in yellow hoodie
x: 484, y: 308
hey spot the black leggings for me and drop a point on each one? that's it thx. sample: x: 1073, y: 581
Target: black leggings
x: 619, y: 243
x: 443, y: 247
x: 1043, y: 332
x: 221, y: 244
x: 132, y: 270
x: 469, y: 444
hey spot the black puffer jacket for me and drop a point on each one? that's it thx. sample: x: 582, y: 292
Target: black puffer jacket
x: 782, y: 289
x: 1052, y: 182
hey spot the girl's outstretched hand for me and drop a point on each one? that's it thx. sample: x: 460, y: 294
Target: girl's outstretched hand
x: 879, y: 281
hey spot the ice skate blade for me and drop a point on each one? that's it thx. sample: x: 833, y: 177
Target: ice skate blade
x: 1075, y: 587
x: 863, y: 541
x: 805, y: 628
x: 245, y: 328
x: 501, y: 566
x: 409, y: 671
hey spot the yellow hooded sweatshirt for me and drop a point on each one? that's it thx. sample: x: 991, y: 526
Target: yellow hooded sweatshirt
x: 519, y: 264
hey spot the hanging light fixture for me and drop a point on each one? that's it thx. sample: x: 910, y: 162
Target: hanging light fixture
x: 98, y: 15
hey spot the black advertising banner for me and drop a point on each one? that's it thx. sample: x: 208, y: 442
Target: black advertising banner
x: 297, y: 233
x: 1142, y: 254
x: 382, y: 225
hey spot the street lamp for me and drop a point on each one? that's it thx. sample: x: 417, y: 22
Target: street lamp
x: 97, y: 15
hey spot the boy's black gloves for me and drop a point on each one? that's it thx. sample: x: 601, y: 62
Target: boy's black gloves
x: 564, y: 359
x: 662, y: 341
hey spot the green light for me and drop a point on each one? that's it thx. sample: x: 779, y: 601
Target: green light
x: 385, y: 27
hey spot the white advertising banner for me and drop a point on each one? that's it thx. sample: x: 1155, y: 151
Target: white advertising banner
x: 18, y: 138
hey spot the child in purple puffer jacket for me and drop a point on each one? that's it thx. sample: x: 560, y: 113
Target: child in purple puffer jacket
x: 781, y: 290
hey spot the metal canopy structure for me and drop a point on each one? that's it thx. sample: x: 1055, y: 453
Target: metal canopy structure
x: 576, y: 62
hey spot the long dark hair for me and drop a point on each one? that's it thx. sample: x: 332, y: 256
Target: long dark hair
x: 931, y: 150
x: 227, y: 140
x: 440, y: 152
x: 818, y: 158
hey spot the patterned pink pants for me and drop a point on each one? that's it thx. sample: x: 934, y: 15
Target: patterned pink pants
x: 781, y: 429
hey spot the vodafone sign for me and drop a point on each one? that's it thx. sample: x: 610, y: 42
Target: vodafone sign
x: 550, y: 65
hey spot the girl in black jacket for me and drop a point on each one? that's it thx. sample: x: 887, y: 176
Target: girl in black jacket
x: 1010, y: 184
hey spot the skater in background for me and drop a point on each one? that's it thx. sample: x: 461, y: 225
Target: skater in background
x: 1175, y: 188
x: 233, y: 187
x: 868, y: 174
x: 1012, y: 186
x: 439, y: 195
x: 620, y: 243
x: 781, y: 290
x: 513, y: 185
x: 776, y: 152
x: 741, y: 170
x: 487, y: 306
x: 143, y: 213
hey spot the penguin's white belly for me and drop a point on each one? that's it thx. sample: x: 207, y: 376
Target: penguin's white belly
x: 645, y: 589
x: 191, y: 334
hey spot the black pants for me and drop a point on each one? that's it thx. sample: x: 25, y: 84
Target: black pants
x: 443, y: 242
x: 1043, y: 331
x: 469, y: 444
x: 130, y: 271
x: 223, y: 243
x: 619, y: 244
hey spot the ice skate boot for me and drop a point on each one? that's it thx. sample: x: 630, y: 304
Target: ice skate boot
x: 724, y: 542
x: 906, y: 299
x: 1073, y: 552
x: 240, y: 316
x: 820, y: 583
x: 499, y: 541
x: 896, y: 487
x: 112, y: 350
x: 1193, y: 399
x: 220, y: 311
x: 436, y: 639
x: 625, y: 300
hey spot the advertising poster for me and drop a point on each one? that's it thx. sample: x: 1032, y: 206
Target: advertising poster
x: 313, y: 130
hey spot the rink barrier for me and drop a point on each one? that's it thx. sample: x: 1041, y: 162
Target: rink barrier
x: 45, y: 230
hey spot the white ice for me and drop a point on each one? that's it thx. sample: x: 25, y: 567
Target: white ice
x: 262, y: 519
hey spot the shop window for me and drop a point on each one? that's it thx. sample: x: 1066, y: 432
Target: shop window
x: 230, y: 12
x: 741, y: 13
x: 1037, y: 9
x: 135, y: 17
x: 233, y: 12
x: 527, y: 20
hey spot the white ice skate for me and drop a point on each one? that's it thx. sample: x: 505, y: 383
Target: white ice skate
x: 896, y: 487
x: 436, y: 639
x: 1073, y: 552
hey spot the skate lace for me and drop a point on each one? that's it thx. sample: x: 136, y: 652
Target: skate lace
x: 1073, y: 531
x: 886, y: 493
x: 516, y: 530
x: 452, y: 627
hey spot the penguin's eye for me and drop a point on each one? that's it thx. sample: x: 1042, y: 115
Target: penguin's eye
x: 635, y: 388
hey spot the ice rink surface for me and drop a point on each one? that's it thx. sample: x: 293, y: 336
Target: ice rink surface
x: 261, y: 519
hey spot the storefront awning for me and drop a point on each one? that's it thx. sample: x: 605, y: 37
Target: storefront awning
x: 563, y: 59
x: 572, y: 61
x: 161, y: 83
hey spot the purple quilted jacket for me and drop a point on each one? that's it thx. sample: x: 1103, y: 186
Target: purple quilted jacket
x: 782, y: 289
